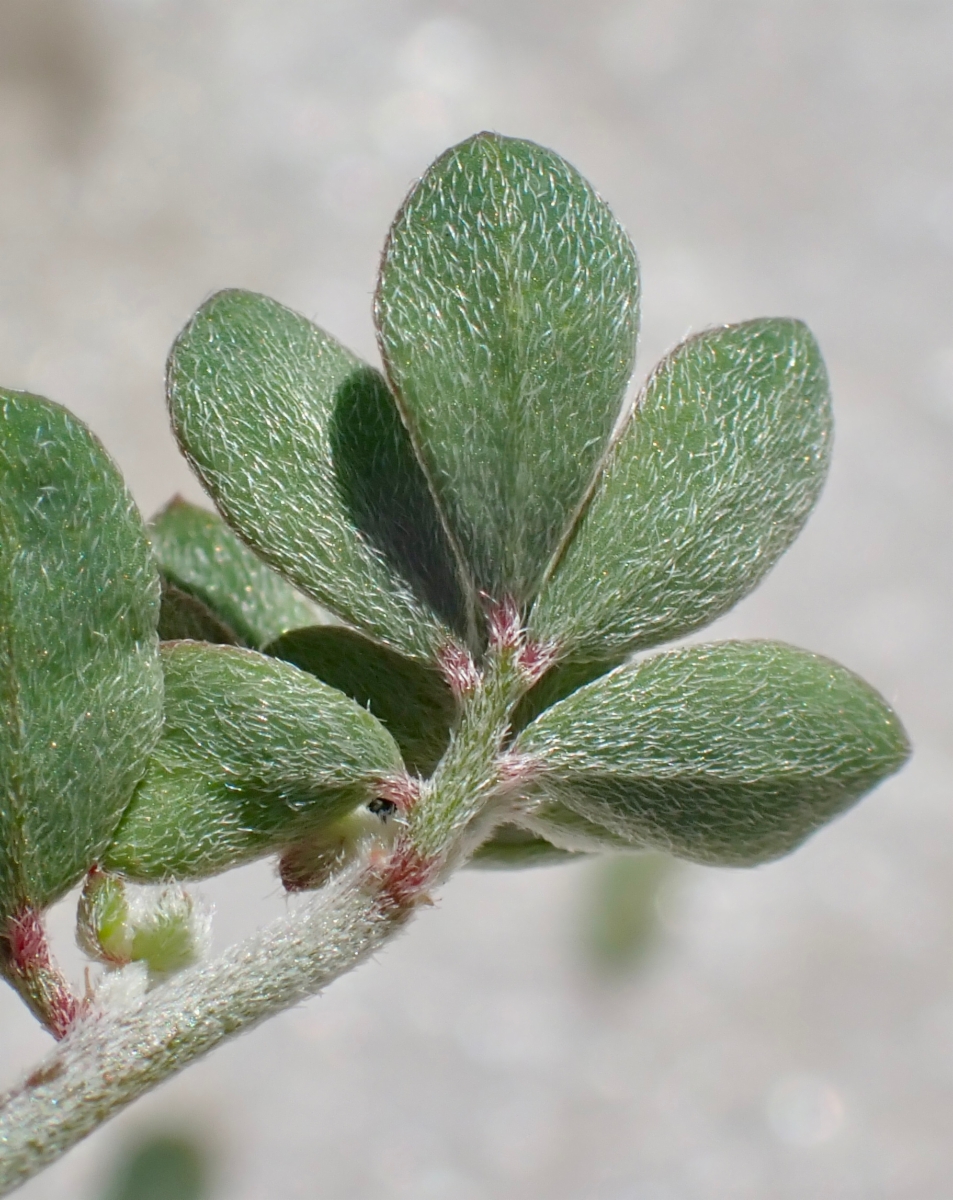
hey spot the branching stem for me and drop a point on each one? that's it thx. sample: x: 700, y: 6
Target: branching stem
x: 110, y: 1058
x: 466, y: 780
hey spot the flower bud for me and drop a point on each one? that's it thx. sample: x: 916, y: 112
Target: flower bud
x: 164, y: 928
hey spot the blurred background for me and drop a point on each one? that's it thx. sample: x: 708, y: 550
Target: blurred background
x: 584, y: 1032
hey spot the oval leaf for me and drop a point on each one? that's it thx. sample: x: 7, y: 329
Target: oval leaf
x: 410, y: 699
x: 254, y: 753
x: 302, y: 448
x: 507, y: 311
x: 709, y: 484
x: 198, y: 554
x: 80, y: 679
x: 730, y: 753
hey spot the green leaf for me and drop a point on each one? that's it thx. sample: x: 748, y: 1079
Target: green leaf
x: 183, y: 616
x: 711, y: 481
x: 730, y: 753
x: 254, y: 754
x: 561, y: 680
x: 412, y: 700
x: 80, y: 679
x: 511, y: 847
x: 302, y: 448
x: 508, y: 313
x: 199, y: 555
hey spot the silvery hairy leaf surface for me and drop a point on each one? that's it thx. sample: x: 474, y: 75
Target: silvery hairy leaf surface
x: 253, y: 753
x: 199, y: 555
x: 80, y: 679
x: 507, y: 311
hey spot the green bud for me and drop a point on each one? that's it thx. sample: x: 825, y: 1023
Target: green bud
x: 118, y: 924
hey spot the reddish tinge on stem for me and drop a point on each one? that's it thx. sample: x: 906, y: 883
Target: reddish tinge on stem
x: 405, y: 876
x: 508, y: 634
x: 29, y: 966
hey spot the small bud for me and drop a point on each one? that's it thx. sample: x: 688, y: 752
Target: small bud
x: 103, y: 930
x: 172, y: 933
x: 117, y: 924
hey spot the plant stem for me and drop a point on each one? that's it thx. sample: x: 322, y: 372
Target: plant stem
x: 460, y: 794
x: 27, y: 964
x: 111, y: 1058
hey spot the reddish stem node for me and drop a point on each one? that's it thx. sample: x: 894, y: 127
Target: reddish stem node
x: 508, y: 634
x: 31, y: 969
x: 505, y: 623
x: 26, y: 939
x: 535, y: 659
x: 459, y: 670
x: 402, y: 790
x: 405, y: 876
x: 517, y: 769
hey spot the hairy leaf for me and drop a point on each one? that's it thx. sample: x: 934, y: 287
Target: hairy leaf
x: 709, y: 484
x: 412, y: 700
x: 730, y: 753
x: 508, y: 312
x: 561, y: 680
x: 254, y: 753
x: 199, y: 554
x: 80, y: 679
x: 303, y: 450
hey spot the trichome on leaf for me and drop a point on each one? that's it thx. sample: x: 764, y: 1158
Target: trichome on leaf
x: 405, y: 643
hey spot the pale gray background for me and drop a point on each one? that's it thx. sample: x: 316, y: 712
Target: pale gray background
x: 793, y: 1035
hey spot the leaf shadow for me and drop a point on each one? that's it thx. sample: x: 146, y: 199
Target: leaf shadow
x: 383, y: 487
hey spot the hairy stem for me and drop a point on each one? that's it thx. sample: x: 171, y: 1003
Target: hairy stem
x: 108, y: 1059
x: 111, y: 1058
x: 27, y: 964
x: 461, y: 792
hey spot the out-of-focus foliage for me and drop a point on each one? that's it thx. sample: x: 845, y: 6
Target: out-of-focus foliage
x: 619, y: 922
x: 165, y: 1166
